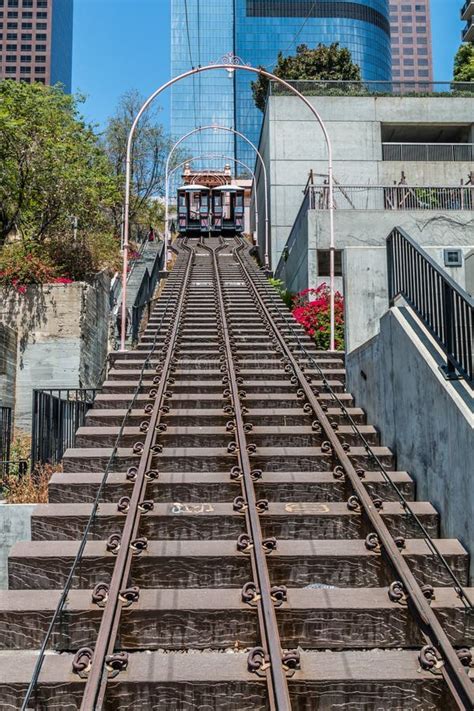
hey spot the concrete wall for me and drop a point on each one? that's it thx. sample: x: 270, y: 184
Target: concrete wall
x: 62, y: 337
x: 426, y: 420
x: 15, y: 525
x: 292, y: 144
x: 366, y: 289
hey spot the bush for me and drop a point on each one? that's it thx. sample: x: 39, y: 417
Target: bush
x: 283, y: 292
x: 314, y: 315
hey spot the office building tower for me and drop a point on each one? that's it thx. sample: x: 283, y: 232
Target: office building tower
x: 412, y: 55
x: 467, y: 14
x: 36, y: 41
x: 256, y: 30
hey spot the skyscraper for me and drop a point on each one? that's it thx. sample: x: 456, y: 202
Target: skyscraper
x: 467, y: 13
x: 256, y: 30
x: 36, y: 41
x: 412, y: 57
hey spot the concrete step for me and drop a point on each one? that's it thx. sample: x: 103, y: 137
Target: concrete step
x: 70, y: 487
x: 180, y: 619
x: 208, y: 436
x: 374, y: 679
x: 97, y: 417
x: 207, y: 521
x: 212, y: 459
x: 192, y: 387
x: 45, y: 565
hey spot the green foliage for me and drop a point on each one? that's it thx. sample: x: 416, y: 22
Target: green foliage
x: 322, y: 63
x: 151, y: 147
x: 464, y: 63
x: 51, y: 165
x: 284, y: 294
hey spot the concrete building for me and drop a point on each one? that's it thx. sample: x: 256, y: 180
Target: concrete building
x: 467, y: 14
x: 36, y: 41
x: 398, y: 161
x: 412, y: 53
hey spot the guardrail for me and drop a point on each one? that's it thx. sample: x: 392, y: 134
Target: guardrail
x: 443, y: 306
x: 146, y: 291
x: 393, y: 197
x: 374, y: 88
x: 57, y: 414
x: 445, y: 152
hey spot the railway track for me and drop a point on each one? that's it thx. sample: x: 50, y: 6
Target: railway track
x: 230, y: 533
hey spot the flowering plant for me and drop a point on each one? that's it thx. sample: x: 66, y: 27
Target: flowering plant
x: 311, y: 308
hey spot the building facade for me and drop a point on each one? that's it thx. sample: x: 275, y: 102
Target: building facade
x: 467, y: 14
x: 36, y: 41
x: 256, y: 30
x: 412, y: 54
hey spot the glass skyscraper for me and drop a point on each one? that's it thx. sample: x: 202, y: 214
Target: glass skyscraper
x: 256, y: 30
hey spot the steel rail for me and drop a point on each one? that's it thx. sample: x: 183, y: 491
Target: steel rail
x: 457, y: 585
x: 277, y: 683
x: 94, y: 693
x: 451, y: 667
x: 90, y: 522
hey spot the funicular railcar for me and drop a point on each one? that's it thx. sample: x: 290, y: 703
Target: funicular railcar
x: 193, y: 209
x: 227, y: 209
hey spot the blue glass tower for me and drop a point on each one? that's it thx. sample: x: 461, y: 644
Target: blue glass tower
x: 256, y: 30
x: 61, y: 43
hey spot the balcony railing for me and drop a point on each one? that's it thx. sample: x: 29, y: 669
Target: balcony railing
x: 468, y: 5
x: 467, y: 34
x: 393, y: 197
x: 446, y: 152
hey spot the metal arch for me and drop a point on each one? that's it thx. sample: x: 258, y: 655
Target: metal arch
x: 218, y: 127
x: 230, y: 63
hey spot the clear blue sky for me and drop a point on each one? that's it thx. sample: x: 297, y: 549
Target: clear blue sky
x: 125, y: 44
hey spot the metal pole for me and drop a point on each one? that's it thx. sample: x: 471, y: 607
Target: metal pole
x: 218, y: 127
x: 228, y: 62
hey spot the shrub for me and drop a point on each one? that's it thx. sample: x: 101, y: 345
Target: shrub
x: 21, y: 264
x: 283, y: 292
x: 311, y: 308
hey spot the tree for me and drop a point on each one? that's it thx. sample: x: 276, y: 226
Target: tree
x: 52, y: 168
x: 321, y: 63
x: 464, y: 63
x: 150, y: 149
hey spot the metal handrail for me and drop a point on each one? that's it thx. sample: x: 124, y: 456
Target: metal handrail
x: 443, y: 306
x: 363, y: 87
x: 394, y: 197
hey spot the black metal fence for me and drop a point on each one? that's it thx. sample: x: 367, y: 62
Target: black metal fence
x: 57, y: 414
x: 5, y: 432
x: 146, y: 291
x: 443, y: 306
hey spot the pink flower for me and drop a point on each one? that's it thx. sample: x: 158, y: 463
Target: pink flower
x: 21, y: 289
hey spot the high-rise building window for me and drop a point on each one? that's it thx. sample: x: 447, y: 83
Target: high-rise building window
x: 25, y: 58
x: 41, y: 25
x: 10, y: 70
x: 41, y: 37
x: 26, y: 47
x: 12, y: 47
x: 25, y: 70
x: 26, y: 36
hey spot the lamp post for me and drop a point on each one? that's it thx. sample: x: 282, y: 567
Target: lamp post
x: 264, y: 171
x: 229, y: 63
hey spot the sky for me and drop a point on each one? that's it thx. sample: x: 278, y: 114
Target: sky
x: 121, y: 45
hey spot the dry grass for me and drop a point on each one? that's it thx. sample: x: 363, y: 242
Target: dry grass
x: 30, y: 489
